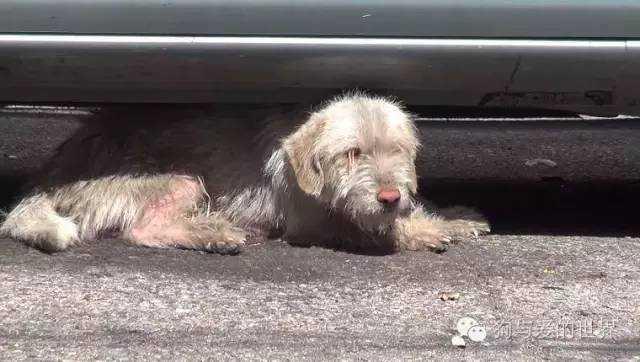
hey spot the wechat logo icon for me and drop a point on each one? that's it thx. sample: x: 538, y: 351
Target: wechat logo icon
x: 470, y: 328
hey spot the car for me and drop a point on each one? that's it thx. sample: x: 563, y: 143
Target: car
x: 574, y: 55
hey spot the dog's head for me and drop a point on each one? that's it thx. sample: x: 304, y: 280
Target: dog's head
x: 357, y: 156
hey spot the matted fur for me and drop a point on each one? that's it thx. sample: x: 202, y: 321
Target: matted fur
x: 206, y: 178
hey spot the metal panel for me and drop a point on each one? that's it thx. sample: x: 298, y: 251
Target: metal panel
x: 557, y: 74
x: 629, y: 85
x: 370, y: 18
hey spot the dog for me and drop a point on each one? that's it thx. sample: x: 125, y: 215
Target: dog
x: 340, y: 176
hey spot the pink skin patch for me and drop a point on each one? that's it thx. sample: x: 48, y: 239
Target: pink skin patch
x: 159, y: 224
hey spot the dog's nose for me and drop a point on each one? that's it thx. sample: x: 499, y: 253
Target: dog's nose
x: 389, y: 196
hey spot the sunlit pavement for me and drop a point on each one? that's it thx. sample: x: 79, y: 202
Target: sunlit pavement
x: 536, y: 296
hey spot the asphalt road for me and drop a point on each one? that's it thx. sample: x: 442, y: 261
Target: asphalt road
x: 547, y: 297
x: 559, y: 278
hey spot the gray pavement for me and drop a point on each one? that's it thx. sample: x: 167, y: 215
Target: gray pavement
x: 548, y: 297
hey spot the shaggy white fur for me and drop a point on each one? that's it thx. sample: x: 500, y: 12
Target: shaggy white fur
x: 341, y: 176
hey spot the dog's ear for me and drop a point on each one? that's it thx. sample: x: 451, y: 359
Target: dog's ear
x: 302, y: 153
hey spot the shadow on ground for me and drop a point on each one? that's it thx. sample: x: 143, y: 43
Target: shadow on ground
x: 548, y: 207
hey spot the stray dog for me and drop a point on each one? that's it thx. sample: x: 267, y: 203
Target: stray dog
x: 342, y: 176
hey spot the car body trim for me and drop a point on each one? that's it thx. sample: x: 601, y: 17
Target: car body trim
x: 588, y: 75
x: 307, y: 41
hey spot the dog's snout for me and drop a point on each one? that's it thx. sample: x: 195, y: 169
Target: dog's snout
x: 389, y: 197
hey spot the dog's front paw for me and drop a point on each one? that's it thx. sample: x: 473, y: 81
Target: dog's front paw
x: 429, y: 239
x: 464, y: 229
x: 462, y: 223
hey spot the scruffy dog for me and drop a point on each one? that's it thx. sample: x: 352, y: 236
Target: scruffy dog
x: 342, y: 176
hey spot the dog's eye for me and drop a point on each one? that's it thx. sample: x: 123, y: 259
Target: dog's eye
x: 354, y: 153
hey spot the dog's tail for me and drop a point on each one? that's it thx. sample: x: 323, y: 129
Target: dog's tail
x: 35, y: 221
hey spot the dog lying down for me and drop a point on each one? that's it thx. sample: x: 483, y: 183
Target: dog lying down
x: 342, y: 176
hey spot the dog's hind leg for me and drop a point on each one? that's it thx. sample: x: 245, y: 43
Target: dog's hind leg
x: 155, y: 210
x: 179, y: 217
x: 36, y: 222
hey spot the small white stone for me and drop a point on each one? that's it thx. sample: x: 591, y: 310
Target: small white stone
x: 458, y: 341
